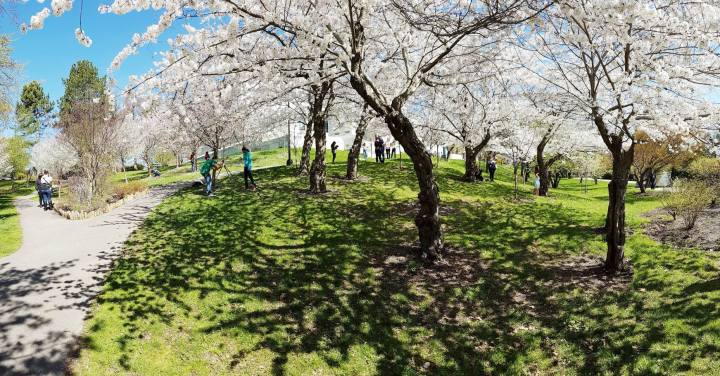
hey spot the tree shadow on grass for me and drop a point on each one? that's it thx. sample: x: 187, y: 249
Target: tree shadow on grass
x: 326, y: 282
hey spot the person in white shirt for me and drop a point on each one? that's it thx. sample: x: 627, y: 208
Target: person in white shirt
x: 46, y: 190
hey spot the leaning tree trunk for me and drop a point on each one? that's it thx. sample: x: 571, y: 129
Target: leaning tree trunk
x: 354, y: 156
x: 304, y: 167
x: 427, y: 219
x: 615, y: 221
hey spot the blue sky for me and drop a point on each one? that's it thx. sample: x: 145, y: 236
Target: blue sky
x: 48, y: 54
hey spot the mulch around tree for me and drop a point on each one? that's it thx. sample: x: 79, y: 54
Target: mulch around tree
x: 705, y: 235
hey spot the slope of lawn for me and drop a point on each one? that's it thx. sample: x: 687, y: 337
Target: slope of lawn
x: 279, y: 282
x: 10, y: 230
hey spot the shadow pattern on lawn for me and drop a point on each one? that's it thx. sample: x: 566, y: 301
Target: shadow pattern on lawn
x: 326, y: 283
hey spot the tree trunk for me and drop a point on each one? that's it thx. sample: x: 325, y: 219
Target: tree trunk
x: 615, y: 220
x: 641, y: 182
x: 556, y: 180
x: 319, y: 110
x: 304, y: 166
x: 214, y: 171
x: 147, y: 162
x: 471, y: 166
x: 427, y: 219
x: 542, y: 168
x: 471, y: 154
x: 354, y: 156
x: 317, y: 171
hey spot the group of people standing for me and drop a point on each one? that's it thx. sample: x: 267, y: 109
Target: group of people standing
x: 382, y: 150
x: 210, y: 166
x: 44, y: 186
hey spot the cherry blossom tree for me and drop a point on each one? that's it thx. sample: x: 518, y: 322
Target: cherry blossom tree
x: 5, y: 165
x: 629, y: 66
x: 54, y: 155
x: 472, y: 115
x: 520, y: 144
x: 388, y: 50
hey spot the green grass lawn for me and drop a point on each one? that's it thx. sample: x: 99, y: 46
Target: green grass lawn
x: 279, y: 282
x: 10, y: 230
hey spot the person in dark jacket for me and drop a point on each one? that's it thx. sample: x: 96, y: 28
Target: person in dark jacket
x: 39, y: 191
x: 46, y: 190
x: 379, y: 150
x: 333, y: 148
x: 492, y: 166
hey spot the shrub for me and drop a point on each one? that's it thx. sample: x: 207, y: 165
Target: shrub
x: 123, y: 190
x: 83, y: 195
x: 707, y: 170
x: 165, y: 158
x: 687, y: 200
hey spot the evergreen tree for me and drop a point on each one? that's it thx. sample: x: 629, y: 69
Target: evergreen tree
x: 83, y: 84
x: 33, y: 111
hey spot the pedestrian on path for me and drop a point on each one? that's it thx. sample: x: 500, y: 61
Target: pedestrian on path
x: 247, y: 170
x: 39, y: 191
x: 46, y: 189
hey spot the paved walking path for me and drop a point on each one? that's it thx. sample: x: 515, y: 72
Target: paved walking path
x: 47, y: 286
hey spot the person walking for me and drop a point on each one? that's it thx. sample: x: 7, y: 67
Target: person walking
x: 46, y: 190
x: 333, y: 148
x: 206, y: 170
x: 492, y: 166
x: 39, y: 191
x: 536, y: 186
x: 247, y: 170
x: 392, y: 152
x: 364, y: 151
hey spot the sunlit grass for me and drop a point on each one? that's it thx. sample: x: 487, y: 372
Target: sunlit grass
x: 10, y: 230
x: 279, y: 282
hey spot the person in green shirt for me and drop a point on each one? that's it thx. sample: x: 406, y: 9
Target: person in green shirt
x: 247, y: 172
x: 206, y: 170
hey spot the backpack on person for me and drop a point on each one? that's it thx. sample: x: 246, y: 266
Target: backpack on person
x: 206, y: 167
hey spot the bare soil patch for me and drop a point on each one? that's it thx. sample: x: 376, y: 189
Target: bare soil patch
x: 705, y: 235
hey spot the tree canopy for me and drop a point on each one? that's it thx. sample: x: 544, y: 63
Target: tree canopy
x: 83, y: 83
x: 32, y: 111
